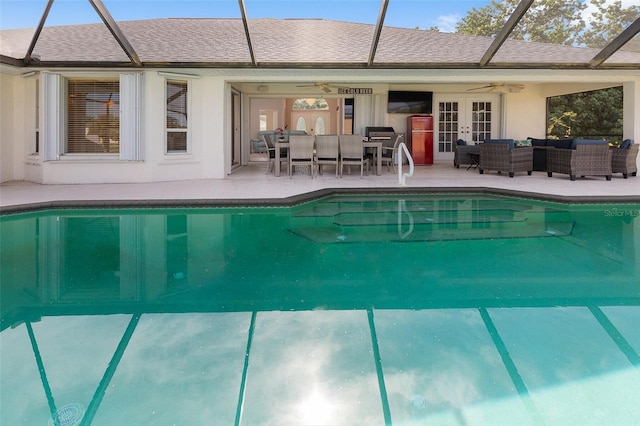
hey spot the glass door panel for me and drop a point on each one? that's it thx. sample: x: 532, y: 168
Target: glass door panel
x: 480, y: 121
x: 449, y: 119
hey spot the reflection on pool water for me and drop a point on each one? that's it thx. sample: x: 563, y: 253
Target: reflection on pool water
x: 454, y: 309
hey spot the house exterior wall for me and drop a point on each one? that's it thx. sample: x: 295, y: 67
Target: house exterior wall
x: 208, y: 131
x: 206, y: 157
x: 525, y: 114
x: 6, y: 129
x: 209, y: 155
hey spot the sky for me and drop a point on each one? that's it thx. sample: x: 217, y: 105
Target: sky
x: 400, y: 13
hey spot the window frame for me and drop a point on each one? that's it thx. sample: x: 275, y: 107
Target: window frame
x: 186, y: 130
x: 65, y: 141
x: 53, y: 106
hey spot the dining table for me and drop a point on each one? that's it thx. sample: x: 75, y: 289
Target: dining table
x: 376, y: 145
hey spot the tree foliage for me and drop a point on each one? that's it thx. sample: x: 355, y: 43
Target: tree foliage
x: 607, y: 21
x: 550, y: 21
x: 592, y: 115
x: 554, y: 21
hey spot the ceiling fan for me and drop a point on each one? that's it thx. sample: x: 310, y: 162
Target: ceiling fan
x: 500, y: 87
x: 324, y: 86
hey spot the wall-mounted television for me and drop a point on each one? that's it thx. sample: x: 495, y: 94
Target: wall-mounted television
x: 409, y: 102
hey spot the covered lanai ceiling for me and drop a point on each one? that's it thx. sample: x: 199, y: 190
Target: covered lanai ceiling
x: 293, y: 43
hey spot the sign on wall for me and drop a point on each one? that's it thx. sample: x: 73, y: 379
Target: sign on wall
x: 356, y: 91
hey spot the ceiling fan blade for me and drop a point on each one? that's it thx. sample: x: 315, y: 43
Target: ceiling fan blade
x: 325, y: 89
x: 490, y: 86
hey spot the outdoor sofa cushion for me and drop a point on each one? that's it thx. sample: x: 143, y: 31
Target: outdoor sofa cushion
x: 556, y: 143
x: 560, y: 143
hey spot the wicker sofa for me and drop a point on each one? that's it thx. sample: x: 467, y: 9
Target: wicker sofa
x: 540, y: 147
x: 624, y: 159
x: 584, y: 158
x: 501, y: 155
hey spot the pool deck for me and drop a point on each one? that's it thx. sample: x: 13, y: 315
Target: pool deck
x: 251, y: 183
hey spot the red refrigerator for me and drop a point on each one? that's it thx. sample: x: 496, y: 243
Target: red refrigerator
x: 420, y: 138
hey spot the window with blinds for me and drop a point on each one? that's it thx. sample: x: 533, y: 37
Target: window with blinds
x: 177, y: 122
x: 93, y: 116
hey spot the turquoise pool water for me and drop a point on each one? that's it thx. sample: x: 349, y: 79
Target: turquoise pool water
x: 454, y: 309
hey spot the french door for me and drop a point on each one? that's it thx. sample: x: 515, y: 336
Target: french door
x: 472, y: 119
x: 236, y: 140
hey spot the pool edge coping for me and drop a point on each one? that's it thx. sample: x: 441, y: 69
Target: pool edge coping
x: 306, y: 197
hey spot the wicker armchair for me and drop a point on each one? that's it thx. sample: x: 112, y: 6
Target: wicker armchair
x: 624, y: 161
x: 585, y: 158
x: 501, y: 156
x: 461, y: 154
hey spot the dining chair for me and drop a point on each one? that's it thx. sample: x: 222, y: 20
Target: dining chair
x: 390, y: 152
x: 352, y: 153
x: 301, y: 152
x: 271, y: 152
x: 327, y: 151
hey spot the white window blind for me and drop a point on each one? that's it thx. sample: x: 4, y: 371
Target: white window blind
x: 177, y: 120
x: 93, y: 116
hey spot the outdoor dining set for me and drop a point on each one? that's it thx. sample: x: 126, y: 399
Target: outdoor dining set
x: 316, y: 151
x: 574, y: 157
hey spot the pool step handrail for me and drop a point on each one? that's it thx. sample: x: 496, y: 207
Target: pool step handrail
x: 402, y: 210
x: 402, y: 148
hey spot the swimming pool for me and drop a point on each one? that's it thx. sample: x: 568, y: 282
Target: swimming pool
x: 398, y: 309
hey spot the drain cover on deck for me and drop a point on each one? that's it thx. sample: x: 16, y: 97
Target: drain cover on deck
x: 68, y: 415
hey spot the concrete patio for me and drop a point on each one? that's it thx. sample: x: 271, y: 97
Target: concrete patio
x: 252, y: 183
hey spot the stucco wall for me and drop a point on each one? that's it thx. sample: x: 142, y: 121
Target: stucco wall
x: 7, y: 127
x: 19, y: 160
x: 206, y: 158
x: 525, y: 113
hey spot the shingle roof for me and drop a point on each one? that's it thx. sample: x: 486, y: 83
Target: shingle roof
x: 284, y: 42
